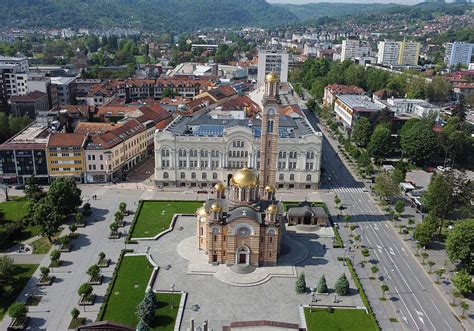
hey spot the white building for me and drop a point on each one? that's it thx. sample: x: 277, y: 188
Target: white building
x: 350, y: 49
x: 409, y: 53
x: 269, y: 60
x: 417, y: 107
x: 64, y: 88
x: 20, y: 62
x: 458, y: 53
x: 388, y: 53
x: 201, y: 150
x: 349, y: 107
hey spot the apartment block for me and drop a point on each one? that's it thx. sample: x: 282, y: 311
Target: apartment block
x: 402, y: 53
x: 273, y: 59
x: 350, y: 49
x: 458, y: 53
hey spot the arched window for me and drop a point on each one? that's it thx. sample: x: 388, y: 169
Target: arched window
x: 165, y: 152
x: 204, y: 175
x: 308, y: 177
x: 246, y: 154
x: 165, y: 175
x: 270, y: 126
x: 281, y: 177
x: 183, y: 175
x: 292, y: 177
x: 214, y: 175
x: 193, y: 175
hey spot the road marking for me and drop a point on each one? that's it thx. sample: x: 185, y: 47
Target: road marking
x: 408, y: 310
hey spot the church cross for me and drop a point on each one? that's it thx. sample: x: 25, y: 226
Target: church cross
x: 244, y: 212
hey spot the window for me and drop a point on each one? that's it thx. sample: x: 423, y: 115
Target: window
x: 183, y: 175
x: 281, y: 177
x: 165, y: 175
x: 292, y: 177
x: 308, y: 177
x: 270, y: 126
x: 204, y: 175
x: 214, y: 175
x: 193, y: 175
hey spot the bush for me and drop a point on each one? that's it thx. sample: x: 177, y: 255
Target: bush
x: 18, y: 310
x: 85, y: 290
x: 55, y: 255
x: 75, y: 313
x: 64, y: 240
x: 93, y: 271
x: 44, y: 272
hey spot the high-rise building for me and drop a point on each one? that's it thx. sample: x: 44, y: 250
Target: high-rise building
x: 272, y: 60
x: 458, y: 53
x: 392, y: 53
x: 13, y: 77
x: 350, y: 49
x: 409, y: 53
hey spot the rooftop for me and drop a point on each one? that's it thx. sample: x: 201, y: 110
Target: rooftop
x: 34, y: 136
x: 359, y: 103
x: 32, y: 96
x: 66, y: 140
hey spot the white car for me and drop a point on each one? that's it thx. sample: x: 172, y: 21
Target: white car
x: 440, y: 168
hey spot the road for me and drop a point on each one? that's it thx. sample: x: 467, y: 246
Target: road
x: 414, y: 299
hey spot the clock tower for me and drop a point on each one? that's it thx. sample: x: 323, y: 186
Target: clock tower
x: 269, y: 132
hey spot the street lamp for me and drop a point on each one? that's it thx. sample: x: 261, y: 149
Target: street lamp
x: 173, y: 287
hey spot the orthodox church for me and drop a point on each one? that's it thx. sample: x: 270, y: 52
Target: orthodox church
x: 246, y: 226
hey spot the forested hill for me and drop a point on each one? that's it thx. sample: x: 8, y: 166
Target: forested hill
x: 148, y: 15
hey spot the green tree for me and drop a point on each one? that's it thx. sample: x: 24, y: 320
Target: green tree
x: 342, y: 285
x: 75, y: 313
x: 347, y: 218
x: 439, y: 273
x: 167, y: 93
x: 464, y: 307
x: 142, y: 326
x: 460, y: 243
x: 424, y: 256
x: 446, y: 194
x: 55, y: 255
x: 430, y: 264
x: 7, y: 267
x: 380, y: 144
x: 118, y: 217
x: 322, y: 287
x: 85, y: 290
x: 417, y: 140
x: 18, y: 311
x: 48, y: 218
x: 384, y: 288
x: 385, y: 186
x: 65, y: 195
x: 93, y: 271
x: 361, y: 132
x: 122, y: 207
x: 79, y: 218
x: 72, y: 228
x: 463, y: 282
x: 144, y: 313
x: 45, y: 272
x: 33, y: 192
x: 400, y: 206
x: 437, y: 90
x: 151, y: 300
x: 300, y: 285
x: 374, y: 270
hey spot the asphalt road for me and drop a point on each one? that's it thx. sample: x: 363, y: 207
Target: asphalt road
x: 412, y: 296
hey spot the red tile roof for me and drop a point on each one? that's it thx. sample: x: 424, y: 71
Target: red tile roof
x: 66, y: 140
x: 32, y: 96
x: 344, y: 89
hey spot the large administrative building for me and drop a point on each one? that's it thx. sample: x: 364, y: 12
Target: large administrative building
x: 203, y: 149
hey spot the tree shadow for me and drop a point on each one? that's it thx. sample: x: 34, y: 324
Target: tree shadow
x: 36, y: 323
x: 80, y: 241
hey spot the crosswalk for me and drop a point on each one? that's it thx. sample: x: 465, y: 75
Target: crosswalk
x: 348, y: 190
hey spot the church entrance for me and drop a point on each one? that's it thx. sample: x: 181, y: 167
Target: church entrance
x: 243, y: 255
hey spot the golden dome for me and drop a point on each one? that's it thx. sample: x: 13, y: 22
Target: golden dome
x: 219, y: 187
x: 245, y: 177
x: 269, y: 188
x: 201, y: 211
x: 272, y: 77
x: 216, y: 208
x: 272, y: 209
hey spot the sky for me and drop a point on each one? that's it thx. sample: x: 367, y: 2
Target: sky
x: 297, y: 2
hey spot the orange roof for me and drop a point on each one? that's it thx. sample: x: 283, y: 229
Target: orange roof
x: 66, y: 140
x: 115, y: 110
x: 94, y: 127
x: 344, y: 89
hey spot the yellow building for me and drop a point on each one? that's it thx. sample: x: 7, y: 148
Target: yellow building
x: 66, y: 155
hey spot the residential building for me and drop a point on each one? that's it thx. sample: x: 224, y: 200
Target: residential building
x: 110, y: 154
x: 41, y: 83
x: 64, y: 88
x: 66, y: 155
x: 418, y: 107
x: 331, y: 92
x: 12, y: 81
x: 30, y: 104
x: 398, y: 53
x: 272, y: 59
x: 201, y: 150
x: 350, y: 49
x: 458, y: 53
x: 409, y: 53
x: 24, y: 155
x: 20, y: 62
x: 350, y: 107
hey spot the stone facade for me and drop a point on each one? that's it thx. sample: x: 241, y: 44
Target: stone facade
x: 241, y: 229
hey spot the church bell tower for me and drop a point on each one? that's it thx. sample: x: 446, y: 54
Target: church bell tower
x: 269, y: 132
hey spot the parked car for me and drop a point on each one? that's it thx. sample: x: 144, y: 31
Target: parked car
x: 19, y: 187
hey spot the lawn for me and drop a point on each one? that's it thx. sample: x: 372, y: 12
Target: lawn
x: 22, y: 275
x: 11, y: 212
x: 41, y: 246
x: 155, y: 216
x: 129, y: 290
x: 339, y: 319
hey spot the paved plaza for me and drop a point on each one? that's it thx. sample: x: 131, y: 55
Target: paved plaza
x: 221, y: 303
